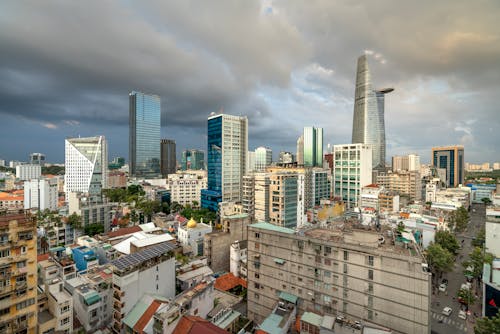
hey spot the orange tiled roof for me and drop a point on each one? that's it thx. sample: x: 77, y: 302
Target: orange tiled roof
x: 373, y: 185
x: 404, y: 215
x: 124, y: 231
x: 146, y: 316
x: 42, y: 257
x: 190, y: 324
x: 228, y: 281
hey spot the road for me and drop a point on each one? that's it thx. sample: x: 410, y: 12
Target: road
x: 453, y: 324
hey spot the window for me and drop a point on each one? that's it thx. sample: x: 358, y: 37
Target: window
x: 370, y: 314
x: 345, y: 268
x: 64, y: 309
x: 328, y: 262
x: 327, y: 273
x: 24, y: 249
x: 257, y: 235
x: 256, y: 296
x: 346, y: 256
x: 256, y: 285
x: 25, y: 303
x: 5, y: 253
x: 328, y: 250
x: 370, y: 287
x: 256, y: 275
x: 370, y: 301
x: 5, y: 311
x: 21, y: 264
x: 65, y: 321
x: 370, y: 260
x: 370, y: 274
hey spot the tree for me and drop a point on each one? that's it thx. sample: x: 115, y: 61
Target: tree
x: 439, y: 259
x: 480, y: 238
x: 487, y: 325
x: 466, y: 296
x: 196, y: 204
x: 176, y: 207
x: 93, y: 229
x: 148, y: 207
x: 134, y: 217
x: 459, y: 219
x: 75, y: 220
x: 486, y: 200
x: 447, y: 240
x: 165, y: 207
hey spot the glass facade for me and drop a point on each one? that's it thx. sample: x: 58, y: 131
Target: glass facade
x: 368, y: 121
x: 168, y: 163
x: 263, y: 158
x: 452, y: 159
x: 144, y: 134
x: 193, y: 159
x: 313, y: 147
x: 290, y: 202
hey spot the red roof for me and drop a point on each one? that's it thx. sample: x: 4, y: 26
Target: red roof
x: 373, y: 185
x: 190, y: 324
x: 42, y: 257
x: 124, y: 231
x: 146, y: 316
x: 228, y: 281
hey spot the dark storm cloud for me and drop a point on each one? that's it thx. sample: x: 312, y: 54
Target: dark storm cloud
x: 67, y: 67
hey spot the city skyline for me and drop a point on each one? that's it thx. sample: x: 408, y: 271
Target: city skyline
x: 74, y: 81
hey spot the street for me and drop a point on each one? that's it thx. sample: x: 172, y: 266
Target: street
x: 441, y: 324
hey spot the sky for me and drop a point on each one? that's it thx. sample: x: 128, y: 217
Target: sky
x: 66, y: 68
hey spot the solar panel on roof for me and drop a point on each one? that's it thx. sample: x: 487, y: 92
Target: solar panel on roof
x: 134, y: 259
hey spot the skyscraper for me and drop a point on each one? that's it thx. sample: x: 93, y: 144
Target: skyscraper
x: 144, y: 134
x: 450, y: 158
x: 300, y: 150
x: 168, y: 162
x: 312, y: 146
x: 86, y: 165
x: 226, y: 159
x: 368, y: 122
x: 193, y: 159
x: 263, y: 158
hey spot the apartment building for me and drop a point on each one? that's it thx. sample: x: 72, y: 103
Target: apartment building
x: 185, y: 188
x: 18, y: 273
x: 406, y: 183
x: 339, y: 269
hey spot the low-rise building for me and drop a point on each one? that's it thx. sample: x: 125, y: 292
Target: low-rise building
x: 405, y: 183
x: 12, y: 200
x: 192, y: 273
x: 60, y: 306
x: 192, y: 234
x: 238, y: 258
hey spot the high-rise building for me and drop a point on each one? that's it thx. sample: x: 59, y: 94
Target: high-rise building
x: 144, y: 134
x: 250, y: 162
x: 263, y: 158
x: 168, y: 162
x: 226, y: 156
x: 37, y: 159
x: 286, y: 197
x: 286, y: 158
x: 405, y: 183
x: 410, y: 162
x: 28, y: 172
x: 313, y: 147
x: 18, y: 274
x: 193, y: 159
x: 300, y: 150
x: 86, y: 165
x: 368, y: 121
x: 352, y: 171
x: 185, y: 188
x: 450, y: 158
x: 40, y: 194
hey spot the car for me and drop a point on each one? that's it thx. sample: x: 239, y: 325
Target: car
x: 447, y: 311
x: 462, y: 314
x: 442, y: 287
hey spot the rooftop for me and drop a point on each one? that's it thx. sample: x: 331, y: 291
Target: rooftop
x: 196, y: 325
x: 129, y: 262
x: 229, y: 281
x: 272, y: 227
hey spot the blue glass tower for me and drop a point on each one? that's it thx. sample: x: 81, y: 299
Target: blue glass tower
x: 144, y: 134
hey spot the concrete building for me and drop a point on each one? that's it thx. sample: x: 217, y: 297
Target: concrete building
x: 185, y: 187
x: 450, y: 158
x: 317, y: 184
x: 117, y: 179
x: 300, y: 151
x: 492, y: 226
x: 12, y: 200
x: 250, y: 162
x: 255, y: 200
x: 60, y: 306
x: 14, y: 163
x: 369, y: 197
x: 168, y: 162
x: 86, y: 165
x: 37, y: 159
x: 352, y: 171
x: 339, y: 269
x: 238, y: 259
x: 263, y: 158
x: 286, y: 158
x: 192, y: 273
x: 193, y: 159
x: 217, y: 244
x: 41, y: 194
x: 18, y: 273
x: 192, y: 235
x: 28, y: 172
x: 93, y: 210
x: 405, y: 183
x: 155, y: 265
x: 248, y: 195
x: 409, y: 162
x: 226, y: 159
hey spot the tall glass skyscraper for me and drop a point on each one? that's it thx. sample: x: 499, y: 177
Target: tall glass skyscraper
x: 368, y: 122
x: 227, y: 147
x: 193, y: 159
x: 263, y: 158
x: 144, y: 134
x: 313, y: 147
x: 450, y: 158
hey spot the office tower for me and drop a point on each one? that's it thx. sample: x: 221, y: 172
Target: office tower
x: 86, y: 164
x: 368, y: 121
x: 226, y: 159
x: 410, y: 162
x: 352, y: 171
x: 144, y: 134
x: 168, y: 162
x: 250, y: 162
x: 405, y: 183
x: 255, y: 200
x: 450, y: 158
x: 317, y: 186
x: 40, y: 194
x: 37, y: 159
x: 300, y: 151
x: 286, y: 205
x: 286, y: 158
x: 28, y: 172
x: 339, y: 269
x: 263, y: 158
x: 193, y: 159
x: 313, y: 147
x: 18, y: 274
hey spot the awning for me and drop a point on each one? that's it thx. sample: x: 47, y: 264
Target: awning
x: 92, y: 298
x: 288, y: 297
x: 279, y: 261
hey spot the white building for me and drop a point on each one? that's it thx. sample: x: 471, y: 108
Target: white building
x: 369, y: 196
x: 40, y: 194
x: 250, y: 161
x: 86, y: 164
x: 28, y: 172
x: 192, y: 235
x: 410, y: 162
x: 352, y: 171
x: 238, y: 258
x: 61, y: 306
x: 14, y: 163
x: 493, y: 230
x: 263, y: 158
x: 185, y: 187
x: 150, y: 271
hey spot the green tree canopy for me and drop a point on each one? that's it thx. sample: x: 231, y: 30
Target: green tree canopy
x: 93, y: 229
x: 487, y: 325
x: 480, y: 238
x: 447, y: 240
x: 467, y: 296
x: 439, y: 259
x: 486, y: 200
x: 75, y: 220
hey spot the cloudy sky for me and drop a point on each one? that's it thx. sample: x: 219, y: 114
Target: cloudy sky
x: 66, y: 68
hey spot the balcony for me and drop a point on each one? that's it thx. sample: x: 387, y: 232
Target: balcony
x: 118, y: 294
x: 118, y: 305
x: 117, y: 316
